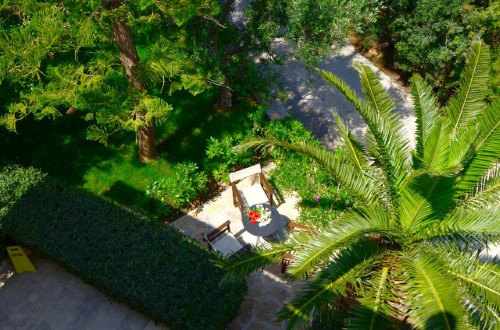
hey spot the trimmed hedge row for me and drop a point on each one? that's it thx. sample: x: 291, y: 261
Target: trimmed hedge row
x: 148, y: 265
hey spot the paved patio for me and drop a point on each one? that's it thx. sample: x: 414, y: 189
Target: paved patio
x: 52, y: 298
x: 267, y: 290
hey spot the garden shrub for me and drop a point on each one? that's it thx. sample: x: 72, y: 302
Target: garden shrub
x: 14, y: 182
x: 223, y: 159
x: 148, y: 265
x: 181, y: 187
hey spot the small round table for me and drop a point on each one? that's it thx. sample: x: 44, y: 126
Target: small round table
x: 267, y: 229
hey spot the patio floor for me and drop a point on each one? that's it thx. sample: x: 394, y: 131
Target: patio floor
x: 267, y: 290
x: 52, y: 298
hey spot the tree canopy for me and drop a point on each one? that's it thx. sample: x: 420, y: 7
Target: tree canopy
x: 431, y: 37
x: 106, y: 60
x: 115, y: 61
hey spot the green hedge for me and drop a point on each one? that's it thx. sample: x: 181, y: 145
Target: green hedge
x: 14, y: 182
x: 148, y: 265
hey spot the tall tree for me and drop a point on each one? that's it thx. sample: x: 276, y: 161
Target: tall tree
x: 407, y: 252
x: 58, y: 56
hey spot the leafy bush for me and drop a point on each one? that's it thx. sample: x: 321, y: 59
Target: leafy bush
x: 14, y: 182
x: 150, y: 266
x: 181, y: 187
x: 222, y: 159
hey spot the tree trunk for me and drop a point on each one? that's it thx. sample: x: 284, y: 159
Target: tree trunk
x: 146, y: 142
x: 225, y: 100
x: 130, y: 60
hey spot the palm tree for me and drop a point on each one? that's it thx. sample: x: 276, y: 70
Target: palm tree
x: 406, y: 255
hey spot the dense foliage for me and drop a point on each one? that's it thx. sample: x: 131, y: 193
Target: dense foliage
x: 117, y: 61
x: 14, y: 183
x: 406, y: 254
x: 150, y: 266
x: 432, y: 37
x: 106, y: 60
x: 180, y: 187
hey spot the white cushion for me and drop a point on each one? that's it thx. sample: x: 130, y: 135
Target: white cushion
x: 254, y: 195
x: 244, y: 173
x: 227, y: 245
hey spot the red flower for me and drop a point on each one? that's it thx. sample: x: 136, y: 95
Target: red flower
x: 254, y: 216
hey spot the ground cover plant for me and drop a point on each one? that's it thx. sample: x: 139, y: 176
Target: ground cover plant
x: 406, y: 253
x: 150, y: 266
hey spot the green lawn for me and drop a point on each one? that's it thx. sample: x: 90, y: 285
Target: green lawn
x: 59, y: 148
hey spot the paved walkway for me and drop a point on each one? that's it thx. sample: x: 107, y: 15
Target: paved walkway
x: 52, y: 298
x: 310, y: 99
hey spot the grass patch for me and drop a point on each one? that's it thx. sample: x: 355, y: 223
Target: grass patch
x: 59, y: 148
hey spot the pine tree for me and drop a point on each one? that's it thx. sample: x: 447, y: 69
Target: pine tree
x: 73, y: 56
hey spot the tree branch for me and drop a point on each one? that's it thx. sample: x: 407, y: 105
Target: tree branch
x: 211, y: 19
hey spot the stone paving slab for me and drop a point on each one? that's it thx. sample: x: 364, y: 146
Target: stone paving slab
x: 53, y: 299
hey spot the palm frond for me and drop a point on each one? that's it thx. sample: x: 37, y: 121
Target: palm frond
x: 487, y: 146
x: 467, y: 220
x: 355, y: 151
x: 361, y: 186
x: 465, y: 230
x: 469, y: 99
x: 424, y: 198
x: 348, y: 266
x: 489, y: 123
x: 426, y: 111
x: 374, y: 92
x: 433, y: 293
x: 374, y: 312
x: 239, y: 267
x: 436, y: 148
x: 353, y: 226
x: 482, y: 279
x: 462, y: 147
x: 392, y: 147
x: 486, y: 192
x: 485, y: 317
